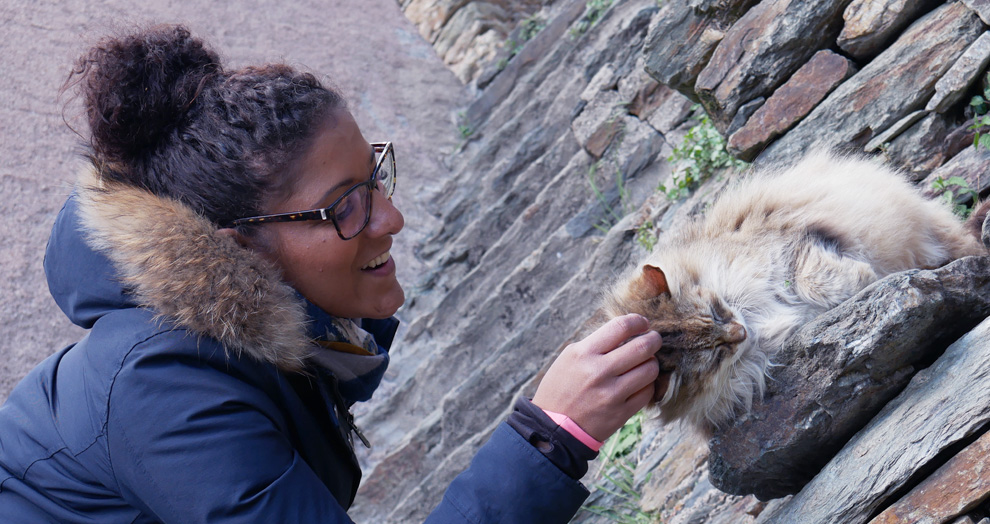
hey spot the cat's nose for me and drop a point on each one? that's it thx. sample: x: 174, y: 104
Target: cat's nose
x: 734, y: 333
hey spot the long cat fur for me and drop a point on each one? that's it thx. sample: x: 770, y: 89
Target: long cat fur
x: 772, y: 252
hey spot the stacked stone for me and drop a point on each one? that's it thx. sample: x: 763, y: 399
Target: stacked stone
x: 568, y: 142
x: 467, y: 33
x: 780, y: 77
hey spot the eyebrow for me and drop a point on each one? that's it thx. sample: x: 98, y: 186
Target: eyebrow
x: 330, y: 191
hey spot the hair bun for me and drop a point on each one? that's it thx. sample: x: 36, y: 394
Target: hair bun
x: 137, y: 88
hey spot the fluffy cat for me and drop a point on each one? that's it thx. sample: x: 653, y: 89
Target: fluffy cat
x: 772, y: 252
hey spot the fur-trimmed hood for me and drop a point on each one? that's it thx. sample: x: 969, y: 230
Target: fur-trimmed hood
x: 117, y: 246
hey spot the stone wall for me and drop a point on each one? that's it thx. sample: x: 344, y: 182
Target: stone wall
x: 467, y: 33
x: 555, y: 179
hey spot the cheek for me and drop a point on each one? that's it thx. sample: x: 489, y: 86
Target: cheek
x: 313, y: 265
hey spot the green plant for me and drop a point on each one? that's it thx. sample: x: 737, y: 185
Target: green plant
x: 700, y: 155
x: 464, y: 128
x: 645, y: 237
x: 611, y: 216
x: 618, y: 476
x: 624, y: 441
x: 957, y: 188
x: 593, y: 11
x: 981, y: 118
x: 529, y: 27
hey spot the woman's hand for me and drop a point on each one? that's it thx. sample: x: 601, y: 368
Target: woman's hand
x: 604, y: 379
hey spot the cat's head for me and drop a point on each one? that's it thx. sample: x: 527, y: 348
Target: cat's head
x: 702, y: 342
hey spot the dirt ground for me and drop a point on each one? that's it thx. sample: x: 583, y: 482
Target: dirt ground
x: 395, y: 85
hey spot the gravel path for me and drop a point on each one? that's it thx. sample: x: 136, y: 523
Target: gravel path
x: 395, y: 85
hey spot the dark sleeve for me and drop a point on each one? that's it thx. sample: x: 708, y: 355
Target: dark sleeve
x: 563, y: 449
x: 510, y: 481
x: 191, y: 443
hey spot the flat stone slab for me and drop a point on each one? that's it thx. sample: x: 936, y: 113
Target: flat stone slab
x: 790, y: 103
x: 599, y: 122
x: 956, y: 488
x: 895, y: 83
x: 892, y: 132
x: 679, y: 45
x: 762, y: 50
x: 921, y: 148
x: 836, y: 373
x: 944, y: 405
x: 872, y: 23
x: 981, y: 7
x: 951, y: 88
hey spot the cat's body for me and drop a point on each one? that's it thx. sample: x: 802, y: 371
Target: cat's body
x: 773, y: 252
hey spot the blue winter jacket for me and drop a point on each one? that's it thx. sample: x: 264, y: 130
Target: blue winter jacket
x: 180, y: 407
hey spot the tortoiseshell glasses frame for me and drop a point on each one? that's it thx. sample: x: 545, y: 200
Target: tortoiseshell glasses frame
x: 351, y: 212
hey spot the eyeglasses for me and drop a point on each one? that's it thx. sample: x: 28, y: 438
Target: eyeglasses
x: 351, y: 212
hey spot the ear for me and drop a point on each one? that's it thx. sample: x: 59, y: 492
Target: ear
x: 656, y: 281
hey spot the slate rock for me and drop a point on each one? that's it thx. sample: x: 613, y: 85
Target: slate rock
x: 502, y: 85
x: 970, y: 164
x: 981, y: 7
x: 951, y: 88
x: 895, y: 83
x: 642, y: 93
x: 887, y: 135
x: 761, y: 50
x: 679, y: 45
x: 920, y: 148
x: 833, y: 375
x: 945, y: 405
x: 599, y: 122
x: 725, y: 10
x: 869, y: 24
x: 742, y: 115
x: 790, y: 103
x: 430, y: 16
x: 470, y: 36
x: 674, y: 110
x: 957, y: 487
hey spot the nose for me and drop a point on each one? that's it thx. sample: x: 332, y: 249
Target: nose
x: 385, y: 217
x: 734, y: 332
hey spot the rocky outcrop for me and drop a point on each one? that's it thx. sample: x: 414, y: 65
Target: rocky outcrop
x: 790, y: 103
x: 943, y: 408
x: 835, y: 374
x: 556, y: 179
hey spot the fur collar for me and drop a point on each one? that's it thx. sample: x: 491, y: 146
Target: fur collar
x: 172, y: 261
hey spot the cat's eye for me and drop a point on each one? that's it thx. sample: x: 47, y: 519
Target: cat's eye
x: 717, y: 314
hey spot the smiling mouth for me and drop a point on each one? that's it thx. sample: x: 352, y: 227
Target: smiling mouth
x: 378, y: 261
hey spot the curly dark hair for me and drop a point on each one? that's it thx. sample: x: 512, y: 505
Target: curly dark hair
x: 164, y: 115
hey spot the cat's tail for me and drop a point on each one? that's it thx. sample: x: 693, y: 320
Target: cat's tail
x: 975, y: 223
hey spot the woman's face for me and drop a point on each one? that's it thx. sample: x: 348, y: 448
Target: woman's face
x: 346, y: 278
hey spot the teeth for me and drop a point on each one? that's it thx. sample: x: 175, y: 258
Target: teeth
x: 379, y: 260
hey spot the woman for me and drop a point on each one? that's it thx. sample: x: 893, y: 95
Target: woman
x: 231, y: 228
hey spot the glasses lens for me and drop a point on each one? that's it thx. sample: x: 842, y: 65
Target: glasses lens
x: 351, y: 214
x: 386, y: 172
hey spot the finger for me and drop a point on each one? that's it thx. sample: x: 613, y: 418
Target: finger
x: 642, y: 348
x: 615, y: 332
x: 640, y: 399
x: 645, y: 374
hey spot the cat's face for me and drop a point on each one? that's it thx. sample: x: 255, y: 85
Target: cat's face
x: 701, y: 339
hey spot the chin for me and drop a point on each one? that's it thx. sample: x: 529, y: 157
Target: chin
x: 390, y: 305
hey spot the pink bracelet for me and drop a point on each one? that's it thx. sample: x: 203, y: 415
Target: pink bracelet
x: 571, y: 427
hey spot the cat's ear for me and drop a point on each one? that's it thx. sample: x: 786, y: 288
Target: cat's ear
x: 655, y: 280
